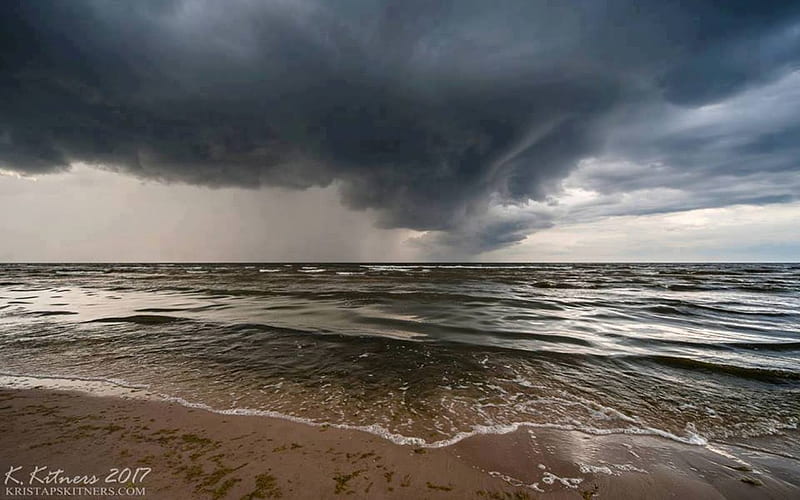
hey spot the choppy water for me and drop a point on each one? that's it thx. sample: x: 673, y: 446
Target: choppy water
x: 431, y: 352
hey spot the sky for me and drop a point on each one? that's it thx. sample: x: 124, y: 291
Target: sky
x: 415, y: 130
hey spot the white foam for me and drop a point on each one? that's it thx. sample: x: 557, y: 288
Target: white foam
x: 505, y: 477
x: 693, y: 439
x: 412, y: 267
x: 569, y: 482
x: 596, y: 469
x: 515, y: 482
x: 629, y: 468
x: 609, y: 469
x: 391, y: 268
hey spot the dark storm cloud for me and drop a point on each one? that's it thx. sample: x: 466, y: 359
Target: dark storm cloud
x: 495, y: 229
x: 430, y: 112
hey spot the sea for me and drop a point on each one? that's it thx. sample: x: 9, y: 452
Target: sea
x: 427, y: 354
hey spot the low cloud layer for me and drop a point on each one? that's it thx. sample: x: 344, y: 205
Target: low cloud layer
x: 453, y: 117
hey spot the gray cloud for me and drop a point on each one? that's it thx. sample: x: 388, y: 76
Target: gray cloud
x: 741, y: 150
x: 429, y: 112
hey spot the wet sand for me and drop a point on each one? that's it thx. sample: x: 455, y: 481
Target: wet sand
x: 193, y: 453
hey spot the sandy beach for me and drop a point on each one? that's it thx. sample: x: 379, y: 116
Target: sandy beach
x: 193, y: 453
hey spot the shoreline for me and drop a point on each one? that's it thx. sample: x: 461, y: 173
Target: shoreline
x: 194, y: 453
x: 119, y: 388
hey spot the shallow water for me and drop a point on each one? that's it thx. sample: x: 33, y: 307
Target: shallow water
x: 429, y: 352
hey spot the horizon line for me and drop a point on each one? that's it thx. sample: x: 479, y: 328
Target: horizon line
x: 406, y: 263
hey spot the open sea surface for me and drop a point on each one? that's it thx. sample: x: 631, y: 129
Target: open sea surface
x: 429, y: 354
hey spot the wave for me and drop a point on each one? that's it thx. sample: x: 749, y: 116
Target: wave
x: 766, y: 374
x: 141, y: 319
x: 691, y: 437
x: 680, y: 308
x: 766, y: 346
x: 160, y: 309
x: 52, y: 313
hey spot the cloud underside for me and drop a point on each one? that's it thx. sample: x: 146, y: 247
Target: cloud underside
x: 464, y: 119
